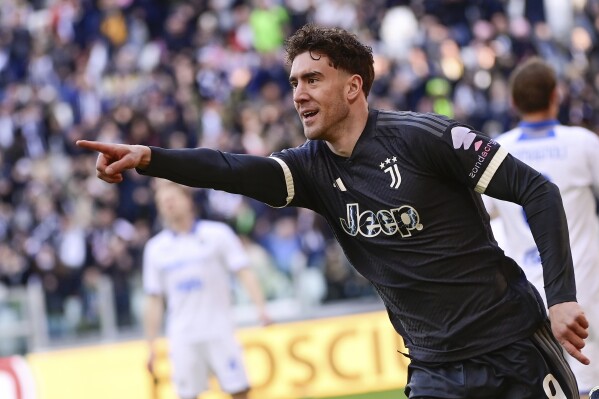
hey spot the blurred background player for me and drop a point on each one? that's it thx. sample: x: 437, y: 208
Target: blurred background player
x: 567, y: 156
x: 188, y: 264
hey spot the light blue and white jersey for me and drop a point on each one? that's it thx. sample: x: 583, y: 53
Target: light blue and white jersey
x: 193, y: 272
x: 567, y: 156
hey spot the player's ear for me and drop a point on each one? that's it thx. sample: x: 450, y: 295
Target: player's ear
x: 513, y: 104
x: 354, y: 87
x: 556, y: 95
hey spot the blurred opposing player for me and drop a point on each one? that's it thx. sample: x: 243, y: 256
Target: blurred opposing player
x: 567, y: 156
x: 188, y: 264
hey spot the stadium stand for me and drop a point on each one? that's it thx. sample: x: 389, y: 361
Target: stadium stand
x: 211, y: 73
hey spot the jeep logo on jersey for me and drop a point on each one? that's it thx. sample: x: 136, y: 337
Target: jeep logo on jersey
x: 464, y: 137
x: 392, y: 170
x: 388, y: 221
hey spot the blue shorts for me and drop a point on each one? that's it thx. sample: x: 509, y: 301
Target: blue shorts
x: 532, y: 368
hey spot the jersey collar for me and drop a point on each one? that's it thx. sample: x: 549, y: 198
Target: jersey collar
x: 537, y: 130
x: 194, y: 230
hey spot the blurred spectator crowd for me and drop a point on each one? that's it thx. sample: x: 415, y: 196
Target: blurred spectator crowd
x: 212, y: 73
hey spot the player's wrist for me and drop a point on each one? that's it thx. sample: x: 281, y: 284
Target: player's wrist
x: 145, y: 158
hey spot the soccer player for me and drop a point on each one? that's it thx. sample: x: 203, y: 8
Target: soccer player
x: 401, y: 192
x: 567, y: 157
x: 188, y: 265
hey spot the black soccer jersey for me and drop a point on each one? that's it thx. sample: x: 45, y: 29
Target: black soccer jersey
x: 406, y: 209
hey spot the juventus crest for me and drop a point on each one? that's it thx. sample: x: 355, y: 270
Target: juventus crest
x: 389, y: 165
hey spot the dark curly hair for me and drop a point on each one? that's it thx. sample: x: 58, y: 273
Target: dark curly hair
x: 343, y: 49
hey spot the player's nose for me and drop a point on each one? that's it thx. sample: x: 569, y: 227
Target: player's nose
x: 300, y: 94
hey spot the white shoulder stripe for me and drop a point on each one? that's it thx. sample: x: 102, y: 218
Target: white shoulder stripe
x: 288, y: 182
x: 498, y: 158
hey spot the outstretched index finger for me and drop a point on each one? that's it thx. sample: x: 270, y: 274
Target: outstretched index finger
x: 95, y: 146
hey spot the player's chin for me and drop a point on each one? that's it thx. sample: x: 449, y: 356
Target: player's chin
x: 313, y: 133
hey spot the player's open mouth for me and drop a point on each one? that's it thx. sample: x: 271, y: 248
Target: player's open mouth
x: 309, y: 115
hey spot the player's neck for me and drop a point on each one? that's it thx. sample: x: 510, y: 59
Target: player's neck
x: 181, y: 226
x: 347, y: 133
x: 540, y: 116
x: 550, y: 113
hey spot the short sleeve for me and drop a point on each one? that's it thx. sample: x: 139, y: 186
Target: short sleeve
x: 591, y: 145
x: 232, y: 249
x: 152, y: 283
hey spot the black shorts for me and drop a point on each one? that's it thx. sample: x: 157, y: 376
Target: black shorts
x: 532, y: 368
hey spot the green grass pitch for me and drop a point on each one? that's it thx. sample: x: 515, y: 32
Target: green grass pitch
x: 396, y: 394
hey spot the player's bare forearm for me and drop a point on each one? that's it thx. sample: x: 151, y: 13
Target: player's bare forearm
x: 570, y: 326
x: 153, y: 312
x: 252, y: 286
x: 152, y: 322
